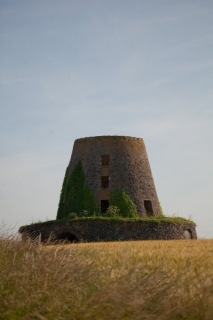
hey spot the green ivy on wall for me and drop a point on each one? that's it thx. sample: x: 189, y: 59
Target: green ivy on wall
x: 123, y: 202
x: 75, y: 195
x: 61, y: 201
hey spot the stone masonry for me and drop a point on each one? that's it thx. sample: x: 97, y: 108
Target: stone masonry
x: 94, y: 231
x: 128, y: 169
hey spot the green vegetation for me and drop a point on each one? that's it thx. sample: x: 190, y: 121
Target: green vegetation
x: 75, y: 195
x: 123, y: 202
x: 113, y: 211
x: 62, y: 195
x: 164, y: 280
x: 77, y: 200
x: 155, y: 220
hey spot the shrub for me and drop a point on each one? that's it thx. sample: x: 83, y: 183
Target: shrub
x: 112, y: 211
x: 123, y: 202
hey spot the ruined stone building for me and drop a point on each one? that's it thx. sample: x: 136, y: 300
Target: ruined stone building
x: 115, y: 163
x: 100, y: 168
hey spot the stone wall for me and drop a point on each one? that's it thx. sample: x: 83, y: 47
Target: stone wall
x: 99, y: 230
x: 128, y: 169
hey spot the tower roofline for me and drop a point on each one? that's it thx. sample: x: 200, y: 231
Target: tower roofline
x: 109, y: 138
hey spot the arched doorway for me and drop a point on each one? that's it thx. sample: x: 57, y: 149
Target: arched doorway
x: 66, y: 237
x: 187, y: 234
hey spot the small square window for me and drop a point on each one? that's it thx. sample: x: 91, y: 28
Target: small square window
x: 105, y: 160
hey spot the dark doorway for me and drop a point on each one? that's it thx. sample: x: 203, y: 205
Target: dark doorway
x: 104, y: 182
x: 66, y: 237
x: 104, y: 206
x: 148, y: 207
x: 105, y: 160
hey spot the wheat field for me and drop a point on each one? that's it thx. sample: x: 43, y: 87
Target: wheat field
x: 111, y: 280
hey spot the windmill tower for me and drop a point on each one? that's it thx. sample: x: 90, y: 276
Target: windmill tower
x: 110, y: 164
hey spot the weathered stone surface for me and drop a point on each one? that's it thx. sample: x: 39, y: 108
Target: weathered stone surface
x: 94, y: 231
x: 128, y: 169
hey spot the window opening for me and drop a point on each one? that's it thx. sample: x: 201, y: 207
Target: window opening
x: 105, y: 181
x: 104, y: 206
x: 148, y: 207
x: 105, y: 160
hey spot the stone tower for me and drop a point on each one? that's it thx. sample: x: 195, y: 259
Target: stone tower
x: 115, y: 163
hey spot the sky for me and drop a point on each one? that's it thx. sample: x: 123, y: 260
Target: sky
x: 77, y: 68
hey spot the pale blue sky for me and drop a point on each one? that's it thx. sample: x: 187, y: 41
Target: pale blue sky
x: 77, y: 68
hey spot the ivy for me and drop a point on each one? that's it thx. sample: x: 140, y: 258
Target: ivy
x: 123, y: 202
x: 90, y: 204
x: 60, y: 206
x: 76, y: 195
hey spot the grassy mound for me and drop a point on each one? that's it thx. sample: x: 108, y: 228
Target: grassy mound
x: 153, y: 220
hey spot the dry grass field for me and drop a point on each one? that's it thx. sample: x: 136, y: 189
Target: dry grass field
x: 115, y: 280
